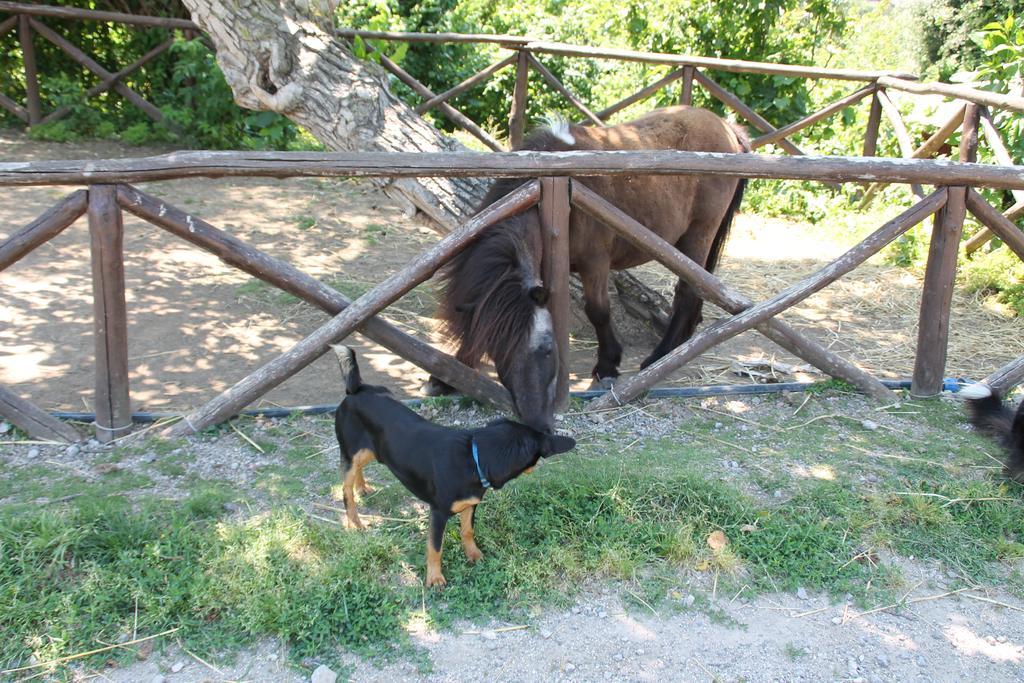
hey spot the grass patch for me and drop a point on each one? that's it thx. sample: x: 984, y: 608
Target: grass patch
x: 639, y: 517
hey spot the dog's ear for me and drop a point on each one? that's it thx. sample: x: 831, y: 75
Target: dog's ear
x: 553, y: 444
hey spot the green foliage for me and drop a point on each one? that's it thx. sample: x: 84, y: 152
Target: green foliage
x: 947, y: 32
x: 184, y: 83
x: 996, y: 273
x: 777, y: 30
x: 1001, y: 69
x: 71, y: 577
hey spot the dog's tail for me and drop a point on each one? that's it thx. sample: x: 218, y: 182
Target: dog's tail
x: 349, y: 368
x: 987, y: 412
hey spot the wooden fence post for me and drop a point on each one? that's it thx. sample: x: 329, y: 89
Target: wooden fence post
x: 28, y: 52
x: 686, y: 94
x: 874, y: 120
x: 554, y: 214
x: 110, y: 317
x: 517, y: 116
x: 937, y: 294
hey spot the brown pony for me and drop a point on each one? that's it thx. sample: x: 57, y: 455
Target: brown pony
x: 494, y: 302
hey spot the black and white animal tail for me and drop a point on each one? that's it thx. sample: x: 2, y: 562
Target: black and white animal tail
x: 349, y: 368
x: 992, y: 417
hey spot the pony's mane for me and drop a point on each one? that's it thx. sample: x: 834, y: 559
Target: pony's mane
x: 485, y: 305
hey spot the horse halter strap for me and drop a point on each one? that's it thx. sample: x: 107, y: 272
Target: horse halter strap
x: 476, y: 460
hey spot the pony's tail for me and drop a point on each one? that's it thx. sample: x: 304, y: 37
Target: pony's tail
x: 349, y: 368
x: 718, y: 245
x: 987, y: 412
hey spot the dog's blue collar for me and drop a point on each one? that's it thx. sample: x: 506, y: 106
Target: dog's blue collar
x: 476, y: 460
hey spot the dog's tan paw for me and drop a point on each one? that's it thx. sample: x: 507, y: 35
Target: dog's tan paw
x: 436, y: 580
x: 473, y: 554
x: 365, y: 490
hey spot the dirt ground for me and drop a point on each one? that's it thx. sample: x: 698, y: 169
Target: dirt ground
x: 196, y: 326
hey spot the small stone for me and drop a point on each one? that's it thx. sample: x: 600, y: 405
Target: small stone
x: 640, y: 652
x: 73, y: 450
x: 488, y: 635
x: 921, y: 661
x: 869, y: 425
x: 617, y: 656
x: 882, y: 660
x: 323, y: 674
x: 234, y: 465
x: 492, y: 645
x: 576, y: 609
x: 33, y: 452
x: 272, y: 656
x: 777, y: 494
x: 801, y: 593
x: 158, y: 679
x: 837, y: 621
x: 545, y: 633
x: 559, y: 418
x: 5, y: 427
x: 148, y: 458
x: 1000, y: 639
x: 689, y: 600
x: 177, y: 667
x: 602, y: 614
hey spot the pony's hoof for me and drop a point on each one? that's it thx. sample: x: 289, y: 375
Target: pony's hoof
x: 435, y: 387
x: 602, y: 384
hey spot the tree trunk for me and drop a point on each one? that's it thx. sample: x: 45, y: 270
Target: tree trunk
x: 282, y: 56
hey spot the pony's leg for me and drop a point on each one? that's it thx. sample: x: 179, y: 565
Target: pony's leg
x: 687, y: 306
x: 598, y: 310
x: 438, y: 387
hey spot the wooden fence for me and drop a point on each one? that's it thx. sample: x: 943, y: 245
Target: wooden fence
x: 558, y: 193
x: 524, y: 57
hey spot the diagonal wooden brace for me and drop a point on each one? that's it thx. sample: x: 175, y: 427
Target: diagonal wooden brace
x: 92, y: 65
x: 712, y: 289
x: 630, y: 387
x: 280, y: 274
x: 46, y: 227
x: 38, y: 423
x: 362, y: 309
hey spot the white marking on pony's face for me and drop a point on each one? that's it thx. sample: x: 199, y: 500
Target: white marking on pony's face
x: 543, y: 330
x: 559, y: 127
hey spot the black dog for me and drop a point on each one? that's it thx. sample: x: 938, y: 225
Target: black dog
x: 450, y: 469
x: 989, y: 414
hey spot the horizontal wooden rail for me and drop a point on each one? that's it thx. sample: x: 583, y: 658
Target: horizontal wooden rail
x: 506, y: 164
x: 554, y: 48
x: 419, y: 269
x: 1007, y: 377
x: 962, y: 92
x: 95, y: 15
